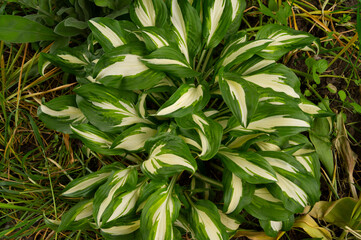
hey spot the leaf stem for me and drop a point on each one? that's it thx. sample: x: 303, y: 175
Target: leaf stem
x: 208, y: 180
x: 209, y: 54
x: 201, y: 59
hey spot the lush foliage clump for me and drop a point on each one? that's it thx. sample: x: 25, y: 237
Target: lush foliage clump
x: 188, y: 101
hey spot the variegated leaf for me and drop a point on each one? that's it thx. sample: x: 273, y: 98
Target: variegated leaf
x: 134, y: 138
x: 87, y: 185
x: 122, y: 68
x: 243, y: 141
x: 210, y: 133
x: 254, y: 64
x: 248, y: 166
x: 108, y: 109
x: 148, y: 190
x: 205, y: 221
x: 265, y: 206
x: 309, y: 160
x: 296, y: 190
x: 168, y: 155
x: 281, y: 161
x: 77, y: 216
x: 149, y: 13
x: 72, y: 60
x: 155, y: 38
x: 111, y: 33
x: 118, y: 183
x: 95, y: 139
x: 217, y: 16
x: 284, y: 39
x: 187, y: 99
x: 237, y: 193
x: 125, y: 229
x: 240, y: 96
x: 272, y: 228
x: 240, y: 51
x: 238, y: 7
x: 60, y: 113
x: 122, y: 205
x: 231, y: 224
x: 187, y: 27
x: 278, y: 78
x: 159, y: 213
x: 280, y: 119
x: 171, y: 61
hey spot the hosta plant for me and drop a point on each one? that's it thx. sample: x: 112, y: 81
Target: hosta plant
x: 206, y: 124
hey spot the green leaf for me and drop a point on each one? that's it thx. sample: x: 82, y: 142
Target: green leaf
x: 209, y: 132
x: 66, y: 31
x: 205, y: 221
x: 149, y: 13
x: 77, y: 216
x: 168, y: 155
x: 264, y: 206
x: 124, y: 229
x: 239, y: 51
x: 272, y: 228
x: 169, y: 60
x: 113, y: 69
x: 87, y: 185
x: 155, y: 38
x: 105, y: 108
x: 134, y: 138
x: 216, y: 20
x: 321, y: 139
x: 240, y: 96
x: 60, y: 113
x: 122, y: 205
x: 111, y: 33
x: 237, y: 193
x: 95, y: 139
x: 187, y: 27
x: 342, y: 95
x: 118, y: 183
x: 159, y: 213
x: 284, y: 39
x: 248, y: 166
x: 17, y: 29
x: 185, y: 100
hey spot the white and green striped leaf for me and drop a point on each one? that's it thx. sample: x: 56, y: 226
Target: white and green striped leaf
x: 206, y: 223
x: 240, y: 51
x: 209, y: 131
x: 187, y: 27
x: 248, y: 166
x: 265, y: 206
x: 126, y: 229
x: 122, y: 68
x: 238, y: 7
x: 87, y: 185
x: 108, y: 109
x: 122, y: 205
x: 72, y: 60
x: 134, y: 138
x: 171, y: 61
x: 237, y: 193
x: 231, y: 224
x: 117, y: 184
x: 168, y: 155
x: 284, y: 39
x: 111, y: 33
x: 296, y: 190
x: 254, y: 64
x: 216, y: 20
x: 187, y: 99
x: 155, y: 38
x: 77, y: 216
x: 272, y: 228
x: 60, y: 113
x: 159, y: 213
x: 148, y: 190
x: 277, y: 78
x: 149, y: 13
x: 240, y: 96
